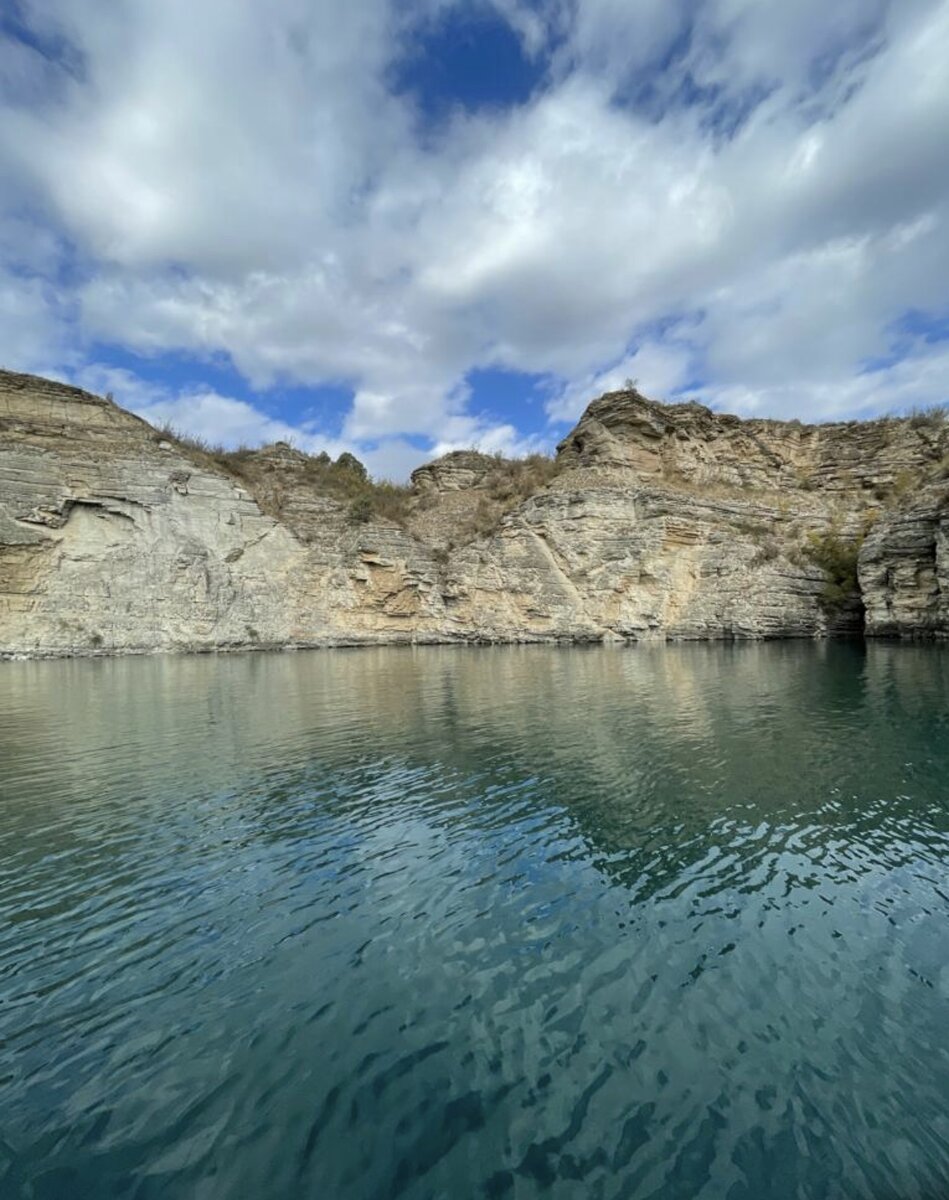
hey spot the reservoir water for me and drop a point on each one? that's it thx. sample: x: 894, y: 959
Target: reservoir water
x: 503, y: 923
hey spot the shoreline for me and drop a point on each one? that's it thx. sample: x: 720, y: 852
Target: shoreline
x: 931, y: 637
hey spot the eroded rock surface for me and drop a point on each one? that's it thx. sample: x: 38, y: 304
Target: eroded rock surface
x: 904, y: 567
x: 661, y: 522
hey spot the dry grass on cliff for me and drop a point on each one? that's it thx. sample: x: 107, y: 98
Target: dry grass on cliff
x: 514, y: 480
x: 509, y: 483
x: 934, y: 416
x: 345, y: 480
x: 209, y: 452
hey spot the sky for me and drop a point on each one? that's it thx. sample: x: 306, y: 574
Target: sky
x: 399, y: 227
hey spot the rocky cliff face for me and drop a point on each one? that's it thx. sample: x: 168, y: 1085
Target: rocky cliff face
x: 904, y: 567
x: 655, y: 522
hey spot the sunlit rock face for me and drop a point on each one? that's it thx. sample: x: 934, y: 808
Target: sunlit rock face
x: 904, y: 567
x: 661, y: 521
x: 454, y: 472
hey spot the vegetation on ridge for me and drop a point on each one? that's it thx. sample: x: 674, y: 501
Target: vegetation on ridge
x: 837, y: 555
x: 505, y: 486
x: 345, y: 480
x: 508, y: 483
x: 930, y: 417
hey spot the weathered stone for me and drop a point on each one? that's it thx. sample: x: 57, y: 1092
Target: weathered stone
x: 904, y: 568
x: 453, y: 472
x: 663, y: 522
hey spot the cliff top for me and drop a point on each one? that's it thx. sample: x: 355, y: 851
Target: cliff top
x: 682, y: 444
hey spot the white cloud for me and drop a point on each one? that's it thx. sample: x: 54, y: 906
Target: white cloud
x: 198, y: 411
x: 204, y: 413
x: 659, y: 369
x: 241, y: 180
x: 916, y: 381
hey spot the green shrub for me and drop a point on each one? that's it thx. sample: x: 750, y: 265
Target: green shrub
x: 360, y: 509
x: 349, y: 462
x: 836, y: 555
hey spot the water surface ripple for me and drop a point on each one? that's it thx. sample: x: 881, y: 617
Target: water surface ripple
x: 506, y: 923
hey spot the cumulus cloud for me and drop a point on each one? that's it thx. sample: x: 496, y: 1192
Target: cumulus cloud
x: 204, y: 413
x: 655, y: 368
x: 740, y: 200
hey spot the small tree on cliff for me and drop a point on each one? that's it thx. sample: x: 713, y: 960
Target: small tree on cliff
x: 349, y: 462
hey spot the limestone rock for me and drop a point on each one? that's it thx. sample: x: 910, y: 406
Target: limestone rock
x: 904, y: 568
x: 659, y: 521
x: 453, y: 472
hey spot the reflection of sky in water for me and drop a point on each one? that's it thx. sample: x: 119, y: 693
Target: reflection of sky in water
x: 502, y: 922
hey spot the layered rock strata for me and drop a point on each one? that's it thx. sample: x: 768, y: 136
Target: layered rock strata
x: 661, y: 521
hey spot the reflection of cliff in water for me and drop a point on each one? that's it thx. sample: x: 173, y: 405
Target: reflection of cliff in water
x: 658, y: 757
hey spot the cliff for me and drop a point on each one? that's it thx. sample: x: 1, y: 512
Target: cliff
x: 654, y: 521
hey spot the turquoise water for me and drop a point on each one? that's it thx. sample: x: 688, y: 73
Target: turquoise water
x: 496, y: 923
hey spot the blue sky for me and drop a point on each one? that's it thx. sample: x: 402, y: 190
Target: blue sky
x: 397, y: 228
